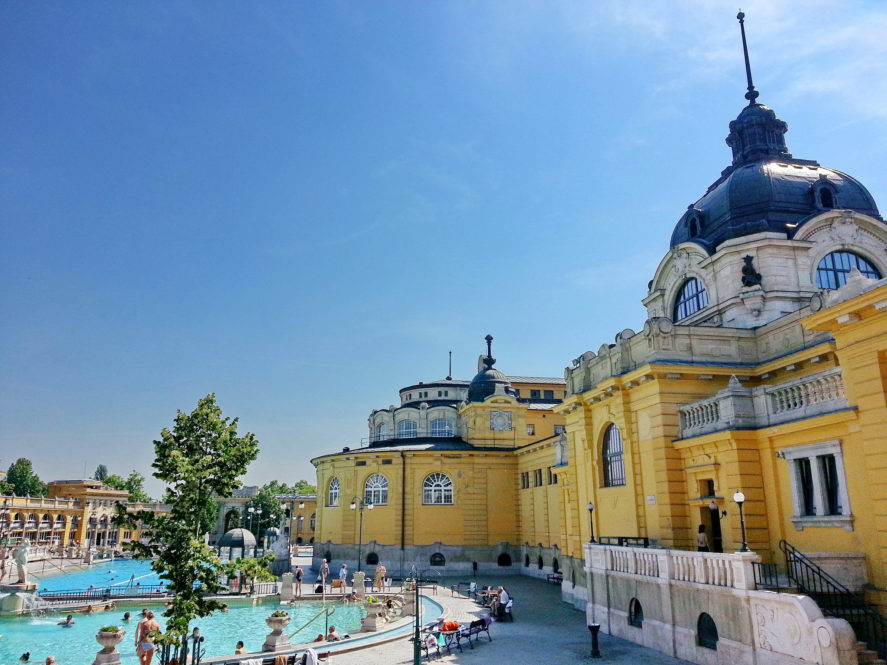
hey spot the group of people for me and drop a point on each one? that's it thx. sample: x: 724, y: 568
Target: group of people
x: 496, y: 600
x: 380, y: 579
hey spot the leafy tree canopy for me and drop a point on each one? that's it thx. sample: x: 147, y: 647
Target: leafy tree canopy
x: 134, y: 484
x: 23, y: 480
x: 101, y: 472
x: 271, y: 515
x: 200, y: 457
x: 300, y: 487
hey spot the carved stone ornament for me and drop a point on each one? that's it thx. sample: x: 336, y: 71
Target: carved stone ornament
x: 750, y: 276
x: 681, y: 262
x: 500, y: 421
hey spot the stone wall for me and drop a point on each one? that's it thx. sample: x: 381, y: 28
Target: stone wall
x: 657, y: 597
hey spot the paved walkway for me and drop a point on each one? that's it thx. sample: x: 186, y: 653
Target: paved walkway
x: 545, y: 630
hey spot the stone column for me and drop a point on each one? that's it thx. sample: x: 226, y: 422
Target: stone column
x: 359, y: 585
x: 286, y: 587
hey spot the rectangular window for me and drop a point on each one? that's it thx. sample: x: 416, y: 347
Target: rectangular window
x: 552, y: 477
x: 387, y: 461
x: 440, y: 393
x: 534, y: 394
x: 531, y: 430
x: 517, y: 392
x: 360, y: 463
x: 538, y: 478
x: 549, y: 394
x: 819, y: 485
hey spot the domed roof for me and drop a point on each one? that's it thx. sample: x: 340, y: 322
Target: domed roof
x: 486, y: 380
x: 765, y: 188
x: 237, y: 538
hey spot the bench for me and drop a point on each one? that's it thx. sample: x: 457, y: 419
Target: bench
x: 428, y: 646
x: 460, y: 588
x: 474, y: 629
x: 555, y: 578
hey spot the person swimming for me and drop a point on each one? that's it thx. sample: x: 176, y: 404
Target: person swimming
x: 67, y: 622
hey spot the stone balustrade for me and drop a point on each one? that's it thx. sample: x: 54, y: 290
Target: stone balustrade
x: 705, y: 568
x: 738, y: 407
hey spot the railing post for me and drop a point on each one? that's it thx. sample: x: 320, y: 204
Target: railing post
x: 743, y: 570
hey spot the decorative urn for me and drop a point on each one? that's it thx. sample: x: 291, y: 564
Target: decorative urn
x: 110, y: 639
x: 277, y: 622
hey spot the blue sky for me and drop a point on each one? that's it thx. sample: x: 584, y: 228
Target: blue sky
x: 302, y: 206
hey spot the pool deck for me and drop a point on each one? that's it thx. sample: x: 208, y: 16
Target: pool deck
x: 545, y: 630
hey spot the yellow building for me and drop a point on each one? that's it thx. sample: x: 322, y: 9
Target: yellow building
x: 76, y: 512
x: 750, y: 408
x: 441, y: 474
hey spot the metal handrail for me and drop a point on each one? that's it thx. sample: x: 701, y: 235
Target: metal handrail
x: 329, y: 611
x: 835, y: 599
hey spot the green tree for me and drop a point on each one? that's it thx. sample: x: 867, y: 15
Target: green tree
x: 23, y: 479
x: 251, y: 570
x: 200, y: 457
x: 134, y: 484
x: 101, y: 472
x: 266, y: 501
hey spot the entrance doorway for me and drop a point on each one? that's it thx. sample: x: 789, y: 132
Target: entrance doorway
x: 711, y: 518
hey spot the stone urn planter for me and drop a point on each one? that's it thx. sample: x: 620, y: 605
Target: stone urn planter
x: 109, y: 640
x: 276, y: 640
x: 374, y: 609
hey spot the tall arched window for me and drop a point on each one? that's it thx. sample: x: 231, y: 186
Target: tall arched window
x: 437, y: 489
x: 691, y: 299
x: 832, y: 271
x: 611, y: 458
x: 333, y: 498
x: 382, y: 432
x: 376, y: 490
x: 441, y: 427
x: 406, y: 429
x: 706, y: 632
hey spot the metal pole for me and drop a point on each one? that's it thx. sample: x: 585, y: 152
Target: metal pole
x: 360, y: 537
x: 742, y: 525
x: 417, y: 647
x: 595, y: 649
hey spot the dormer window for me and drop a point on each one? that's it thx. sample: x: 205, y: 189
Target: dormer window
x: 826, y: 198
x: 691, y: 298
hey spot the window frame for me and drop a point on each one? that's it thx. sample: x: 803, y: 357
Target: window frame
x: 835, y: 274
x: 448, y: 430
x: 612, y: 461
x: 818, y: 487
x: 437, y: 490
x: 378, y: 493
x: 330, y: 501
x: 687, y: 302
x: 407, y: 429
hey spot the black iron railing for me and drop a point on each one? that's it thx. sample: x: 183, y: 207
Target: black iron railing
x: 103, y: 594
x: 766, y: 576
x: 835, y: 599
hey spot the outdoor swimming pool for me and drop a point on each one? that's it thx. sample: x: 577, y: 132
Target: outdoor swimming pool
x: 76, y: 644
x: 118, y: 572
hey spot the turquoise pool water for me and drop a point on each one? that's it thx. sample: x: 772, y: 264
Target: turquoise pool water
x: 76, y: 644
x: 109, y: 573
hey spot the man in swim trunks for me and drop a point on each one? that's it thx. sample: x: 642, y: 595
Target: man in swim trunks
x: 146, y: 640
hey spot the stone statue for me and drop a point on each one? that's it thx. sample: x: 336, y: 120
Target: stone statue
x: 750, y: 276
x: 21, y: 562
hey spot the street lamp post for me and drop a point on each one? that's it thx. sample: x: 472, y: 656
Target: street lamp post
x: 360, y: 503
x: 739, y: 498
x: 591, y: 520
x: 249, y: 520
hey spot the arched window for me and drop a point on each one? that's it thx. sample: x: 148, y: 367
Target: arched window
x: 526, y: 560
x: 611, y: 458
x: 691, y: 299
x: 372, y: 559
x: 832, y: 271
x: 635, y: 613
x: 333, y: 497
x: 406, y: 429
x: 826, y: 198
x: 540, y: 563
x: 328, y: 556
x: 706, y: 632
x: 313, y: 520
x: 376, y: 490
x: 554, y: 565
x: 442, y: 427
x: 438, y: 559
x: 437, y: 490
x: 504, y: 560
x: 381, y: 432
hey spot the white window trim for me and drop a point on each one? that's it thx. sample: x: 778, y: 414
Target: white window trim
x: 812, y: 451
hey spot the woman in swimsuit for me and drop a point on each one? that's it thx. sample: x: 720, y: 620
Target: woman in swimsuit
x: 298, y: 581
x: 146, y: 639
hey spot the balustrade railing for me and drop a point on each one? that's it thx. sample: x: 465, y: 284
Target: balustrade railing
x: 708, y: 568
x: 736, y: 406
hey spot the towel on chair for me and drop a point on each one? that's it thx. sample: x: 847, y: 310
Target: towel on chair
x: 311, y: 657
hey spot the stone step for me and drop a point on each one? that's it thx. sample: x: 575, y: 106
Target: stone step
x: 866, y: 656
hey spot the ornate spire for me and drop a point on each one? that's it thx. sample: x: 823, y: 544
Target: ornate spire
x: 489, y: 361
x: 757, y: 134
x: 752, y: 94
